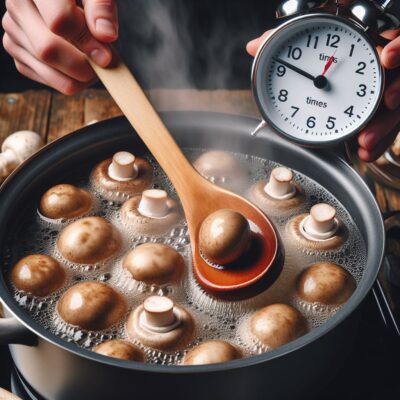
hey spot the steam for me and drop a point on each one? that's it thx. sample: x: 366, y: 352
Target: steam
x: 162, y: 48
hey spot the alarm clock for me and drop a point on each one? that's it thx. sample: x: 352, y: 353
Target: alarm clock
x: 317, y: 78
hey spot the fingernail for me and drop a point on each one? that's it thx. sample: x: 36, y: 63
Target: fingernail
x: 100, y: 57
x: 106, y: 27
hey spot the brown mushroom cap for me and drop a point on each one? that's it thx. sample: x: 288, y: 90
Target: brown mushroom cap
x: 277, y: 324
x: 92, y: 306
x: 174, y: 339
x: 112, y: 189
x: 120, y: 349
x: 325, y: 283
x: 89, y: 240
x: 154, y: 264
x: 211, y: 352
x: 65, y: 201
x: 38, y: 274
x: 222, y: 168
x: 224, y: 236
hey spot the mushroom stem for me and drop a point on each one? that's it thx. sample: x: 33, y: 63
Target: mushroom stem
x: 153, y: 203
x: 321, y: 224
x: 158, y: 315
x: 122, y: 167
x: 280, y: 185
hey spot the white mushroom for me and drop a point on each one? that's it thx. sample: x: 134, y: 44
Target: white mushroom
x: 153, y: 203
x: 123, y: 167
x: 17, y: 148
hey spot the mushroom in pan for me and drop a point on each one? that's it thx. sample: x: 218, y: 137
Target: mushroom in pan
x: 89, y: 240
x: 120, y: 349
x: 276, y: 325
x: 151, y: 213
x: 65, y: 201
x: 318, y: 230
x: 279, y: 194
x: 92, y: 306
x: 122, y: 176
x: 211, y: 352
x: 154, y: 264
x: 160, y: 324
x: 223, y: 169
x: 38, y: 274
x: 224, y: 236
x: 325, y: 283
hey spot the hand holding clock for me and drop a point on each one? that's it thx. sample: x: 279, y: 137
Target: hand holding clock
x: 383, y: 129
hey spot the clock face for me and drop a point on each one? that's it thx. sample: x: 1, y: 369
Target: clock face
x: 318, y: 79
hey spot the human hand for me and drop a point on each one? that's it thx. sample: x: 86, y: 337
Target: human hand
x: 383, y: 129
x: 51, y: 40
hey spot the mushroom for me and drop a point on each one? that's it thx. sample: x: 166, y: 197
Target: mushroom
x: 276, y: 325
x: 120, y: 349
x: 224, y: 236
x: 279, y: 194
x: 318, y: 230
x: 154, y: 264
x: 92, y: 306
x: 16, y: 148
x: 65, y: 201
x: 326, y: 283
x: 38, y: 274
x: 223, y: 169
x: 211, y: 352
x: 89, y: 240
x: 122, y: 176
x: 152, y: 213
x: 160, y: 324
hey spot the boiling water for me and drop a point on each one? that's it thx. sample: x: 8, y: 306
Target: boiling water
x: 214, y: 319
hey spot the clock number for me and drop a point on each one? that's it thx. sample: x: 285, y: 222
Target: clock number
x: 309, y: 40
x: 350, y: 111
x: 283, y: 94
x: 294, y: 53
x: 352, y: 50
x: 331, y: 122
x: 332, y: 40
x: 311, y: 122
x: 363, y: 90
x: 362, y: 66
x: 296, y: 109
x: 281, y: 70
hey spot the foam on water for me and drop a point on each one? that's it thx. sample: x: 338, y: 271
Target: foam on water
x: 214, y: 318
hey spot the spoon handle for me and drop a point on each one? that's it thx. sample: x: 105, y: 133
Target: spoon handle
x: 137, y: 108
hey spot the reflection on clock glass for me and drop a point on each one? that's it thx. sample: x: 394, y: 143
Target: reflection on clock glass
x: 319, y: 79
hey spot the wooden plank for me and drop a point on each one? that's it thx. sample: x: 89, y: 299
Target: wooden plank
x: 24, y: 111
x: 66, y: 115
x: 99, y: 106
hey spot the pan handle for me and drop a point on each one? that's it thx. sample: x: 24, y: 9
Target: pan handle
x: 13, y: 332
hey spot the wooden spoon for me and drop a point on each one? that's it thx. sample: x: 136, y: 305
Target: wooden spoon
x: 199, y: 197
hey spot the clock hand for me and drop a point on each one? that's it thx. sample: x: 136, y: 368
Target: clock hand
x: 294, y: 68
x: 329, y: 63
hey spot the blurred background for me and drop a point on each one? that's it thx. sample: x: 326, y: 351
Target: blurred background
x: 179, y: 43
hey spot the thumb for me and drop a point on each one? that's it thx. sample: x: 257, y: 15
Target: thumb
x: 101, y: 18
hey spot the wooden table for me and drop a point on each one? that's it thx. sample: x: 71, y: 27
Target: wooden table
x: 54, y: 115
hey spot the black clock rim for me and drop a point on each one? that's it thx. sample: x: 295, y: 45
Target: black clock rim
x: 257, y: 94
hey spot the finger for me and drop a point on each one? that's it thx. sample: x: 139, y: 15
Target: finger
x: 253, y: 46
x: 378, y: 135
x: 46, y: 74
x: 27, y: 71
x: 391, y: 54
x: 101, y: 18
x: 65, y: 19
x: 51, y: 49
x: 392, y: 95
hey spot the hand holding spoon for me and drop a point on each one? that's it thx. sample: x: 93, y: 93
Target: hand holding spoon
x: 199, y: 197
